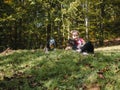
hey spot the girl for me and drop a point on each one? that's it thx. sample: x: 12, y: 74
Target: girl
x: 78, y: 44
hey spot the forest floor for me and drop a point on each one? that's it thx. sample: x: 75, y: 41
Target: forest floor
x: 60, y: 70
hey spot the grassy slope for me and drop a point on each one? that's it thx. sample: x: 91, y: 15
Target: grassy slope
x: 61, y: 70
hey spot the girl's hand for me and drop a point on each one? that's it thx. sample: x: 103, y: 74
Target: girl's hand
x: 68, y: 48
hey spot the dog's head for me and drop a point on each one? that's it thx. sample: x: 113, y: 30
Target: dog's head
x: 71, y: 42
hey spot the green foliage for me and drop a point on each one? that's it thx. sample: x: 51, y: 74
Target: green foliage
x: 29, y: 23
x: 36, y: 70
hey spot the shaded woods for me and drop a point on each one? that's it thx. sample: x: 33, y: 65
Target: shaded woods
x: 28, y: 24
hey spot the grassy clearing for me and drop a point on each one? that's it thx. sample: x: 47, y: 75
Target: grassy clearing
x: 60, y: 70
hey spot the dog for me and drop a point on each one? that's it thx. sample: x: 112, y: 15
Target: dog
x: 51, y: 44
x: 71, y: 45
x: 88, y: 47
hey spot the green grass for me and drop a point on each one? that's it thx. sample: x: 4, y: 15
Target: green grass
x: 60, y: 70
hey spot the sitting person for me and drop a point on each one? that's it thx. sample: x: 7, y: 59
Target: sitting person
x: 79, y: 44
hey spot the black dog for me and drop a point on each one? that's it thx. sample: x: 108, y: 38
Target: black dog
x: 72, y: 44
x: 88, y: 47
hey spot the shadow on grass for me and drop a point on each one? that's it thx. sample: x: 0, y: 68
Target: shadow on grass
x: 19, y: 57
x: 57, y: 70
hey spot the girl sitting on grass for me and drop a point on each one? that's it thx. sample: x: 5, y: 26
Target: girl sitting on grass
x: 78, y: 44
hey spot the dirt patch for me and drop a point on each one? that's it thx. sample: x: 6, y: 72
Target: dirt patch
x: 108, y: 48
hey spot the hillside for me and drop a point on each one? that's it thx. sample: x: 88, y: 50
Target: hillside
x: 60, y: 70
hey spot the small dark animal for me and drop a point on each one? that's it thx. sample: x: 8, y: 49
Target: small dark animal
x: 88, y: 47
x: 72, y: 44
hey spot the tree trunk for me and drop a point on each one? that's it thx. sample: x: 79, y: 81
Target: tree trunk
x: 86, y: 19
x: 63, y: 25
x: 102, y: 13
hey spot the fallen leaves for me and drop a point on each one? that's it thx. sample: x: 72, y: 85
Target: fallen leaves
x: 102, y: 71
x: 35, y: 68
x: 93, y: 86
x: 89, y: 66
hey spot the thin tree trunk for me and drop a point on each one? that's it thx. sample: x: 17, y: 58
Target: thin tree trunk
x: 63, y: 26
x: 86, y: 19
x: 86, y: 24
x: 68, y: 30
x: 102, y: 13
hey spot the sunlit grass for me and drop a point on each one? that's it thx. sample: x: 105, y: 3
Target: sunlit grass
x: 60, y: 70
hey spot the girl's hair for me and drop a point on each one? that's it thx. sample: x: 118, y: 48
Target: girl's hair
x: 74, y: 31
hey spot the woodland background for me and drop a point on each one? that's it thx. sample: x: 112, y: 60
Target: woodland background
x: 27, y: 24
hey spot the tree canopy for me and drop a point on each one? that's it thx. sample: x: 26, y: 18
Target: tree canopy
x: 29, y: 23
